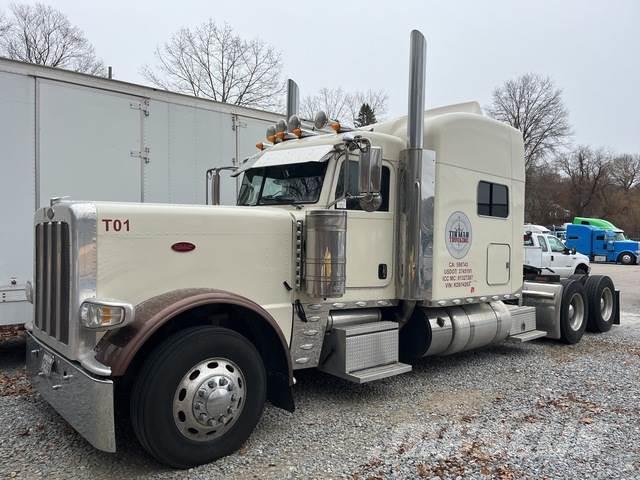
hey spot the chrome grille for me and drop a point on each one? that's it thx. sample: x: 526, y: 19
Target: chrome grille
x: 53, y: 279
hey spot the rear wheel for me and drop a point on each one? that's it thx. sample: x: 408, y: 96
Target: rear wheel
x: 601, y: 298
x: 198, y: 396
x: 627, y: 259
x: 573, y: 312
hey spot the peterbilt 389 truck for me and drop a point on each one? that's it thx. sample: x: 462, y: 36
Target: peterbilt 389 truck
x: 354, y: 252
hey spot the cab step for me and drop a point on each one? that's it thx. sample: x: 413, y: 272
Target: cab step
x: 527, y: 336
x: 376, y: 373
x: 363, y: 352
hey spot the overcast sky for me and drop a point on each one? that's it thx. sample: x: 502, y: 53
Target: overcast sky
x: 590, y: 49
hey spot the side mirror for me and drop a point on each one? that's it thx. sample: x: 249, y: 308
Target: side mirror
x: 573, y: 251
x: 370, y: 178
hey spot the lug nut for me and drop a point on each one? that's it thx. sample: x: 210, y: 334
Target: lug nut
x: 211, y: 422
x: 230, y: 387
x: 223, y: 382
x: 221, y: 419
x: 233, y: 397
x: 202, y: 393
x: 211, y: 384
x: 229, y: 410
x: 202, y: 417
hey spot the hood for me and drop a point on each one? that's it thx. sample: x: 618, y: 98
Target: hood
x: 628, y: 245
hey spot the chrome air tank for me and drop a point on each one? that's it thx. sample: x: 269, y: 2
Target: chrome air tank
x: 325, y: 253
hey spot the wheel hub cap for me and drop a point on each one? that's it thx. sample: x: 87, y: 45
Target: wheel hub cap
x: 209, y: 399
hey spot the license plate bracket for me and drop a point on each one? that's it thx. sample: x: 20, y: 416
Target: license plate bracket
x: 47, y: 364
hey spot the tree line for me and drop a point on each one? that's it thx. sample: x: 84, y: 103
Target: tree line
x: 212, y: 61
x: 565, y: 180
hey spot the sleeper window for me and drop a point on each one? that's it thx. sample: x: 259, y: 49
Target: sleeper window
x: 493, y: 200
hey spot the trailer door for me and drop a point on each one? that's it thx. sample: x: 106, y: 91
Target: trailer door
x: 89, y: 143
x: 17, y: 195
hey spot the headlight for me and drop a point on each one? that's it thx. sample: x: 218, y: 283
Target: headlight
x: 103, y: 314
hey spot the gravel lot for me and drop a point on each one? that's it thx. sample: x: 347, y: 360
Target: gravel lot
x: 537, y: 410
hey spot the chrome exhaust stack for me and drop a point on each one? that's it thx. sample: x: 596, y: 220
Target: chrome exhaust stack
x: 293, y: 98
x: 416, y: 191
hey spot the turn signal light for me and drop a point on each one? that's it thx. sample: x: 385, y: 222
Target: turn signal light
x: 335, y: 126
x: 103, y: 316
x: 260, y: 146
x: 297, y: 132
x: 280, y: 136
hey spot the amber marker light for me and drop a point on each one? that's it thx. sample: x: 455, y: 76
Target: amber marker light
x: 260, y: 146
x: 280, y: 136
x: 335, y: 126
x: 297, y: 132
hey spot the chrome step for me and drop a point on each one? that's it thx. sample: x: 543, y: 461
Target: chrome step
x: 375, y: 373
x: 527, y: 336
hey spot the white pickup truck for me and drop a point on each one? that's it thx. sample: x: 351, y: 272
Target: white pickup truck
x: 544, y: 250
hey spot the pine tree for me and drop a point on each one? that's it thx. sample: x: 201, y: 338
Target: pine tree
x: 366, y: 116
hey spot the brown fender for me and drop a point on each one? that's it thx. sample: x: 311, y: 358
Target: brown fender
x: 117, y: 348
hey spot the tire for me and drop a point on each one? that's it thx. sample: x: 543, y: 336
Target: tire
x: 574, y: 312
x: 581, y: 270
x: 196, y: 370
x: 601, y: 298
x: 627, y: 259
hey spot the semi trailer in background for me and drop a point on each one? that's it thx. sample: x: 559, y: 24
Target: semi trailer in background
x: 353, y: 251
x: 65, y: 133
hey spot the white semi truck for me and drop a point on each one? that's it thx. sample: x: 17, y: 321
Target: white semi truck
x: 351, y: 251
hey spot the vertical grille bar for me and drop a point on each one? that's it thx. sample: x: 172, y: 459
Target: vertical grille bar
x: 65, y: 284
x: 39, y: 275
x: 48, y: 285
x: 56, y: 249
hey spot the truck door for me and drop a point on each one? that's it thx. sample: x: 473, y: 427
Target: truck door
x: 545, y: 260
x: 498, y: 263
x: 369, y: 234
x: 89, y: 143
x: 561, y: 262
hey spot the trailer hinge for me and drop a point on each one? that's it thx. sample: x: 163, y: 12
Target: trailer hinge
x: 144, y: 154
x: 143, y: 106
x: 236, y: 123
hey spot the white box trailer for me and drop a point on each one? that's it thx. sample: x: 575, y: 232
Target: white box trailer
x: 69, y: 134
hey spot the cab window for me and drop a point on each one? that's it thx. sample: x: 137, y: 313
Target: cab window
x: 543, y: 243
x: 556, y: 245
x: 354, y: 203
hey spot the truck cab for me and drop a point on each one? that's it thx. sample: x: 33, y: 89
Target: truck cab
x: 603, y: 244
x: 544, y: 250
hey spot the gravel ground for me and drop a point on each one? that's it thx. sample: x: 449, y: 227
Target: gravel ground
x: 536, y: 410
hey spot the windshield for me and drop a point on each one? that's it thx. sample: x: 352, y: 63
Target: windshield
x: 619, y: 236
x: 282, y: 184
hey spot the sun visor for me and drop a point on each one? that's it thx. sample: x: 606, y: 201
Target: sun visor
x: 271, y: 158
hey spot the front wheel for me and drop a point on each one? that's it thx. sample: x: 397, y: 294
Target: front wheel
x: 198, y: 396
x: 627, y: 259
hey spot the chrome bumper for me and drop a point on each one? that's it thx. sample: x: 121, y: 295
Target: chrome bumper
x: 86, y: 402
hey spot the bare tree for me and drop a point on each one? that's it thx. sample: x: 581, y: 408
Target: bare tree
x: 332, y: 101
x: 43, y: 35
x: 4, y: 25
x: 377, y: 99
x: 344, y: 106
x: 625, y: 171
x: 533, y: 105
x: 213, y: 62
x: 588, y: 174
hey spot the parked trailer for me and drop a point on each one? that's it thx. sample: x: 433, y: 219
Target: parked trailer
x: 354, y: 252
x: 65, y: 133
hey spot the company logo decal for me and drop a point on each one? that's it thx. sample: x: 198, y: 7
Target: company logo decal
x: 458, y: 235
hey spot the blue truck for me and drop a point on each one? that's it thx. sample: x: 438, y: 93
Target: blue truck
x: 603, y: 244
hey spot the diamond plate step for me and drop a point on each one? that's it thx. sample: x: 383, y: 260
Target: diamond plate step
x: 376, y: 373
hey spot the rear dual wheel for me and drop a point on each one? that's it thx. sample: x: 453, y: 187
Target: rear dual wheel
x: 198, y: 396
x: 574, y: 312
x: 602, y: 303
